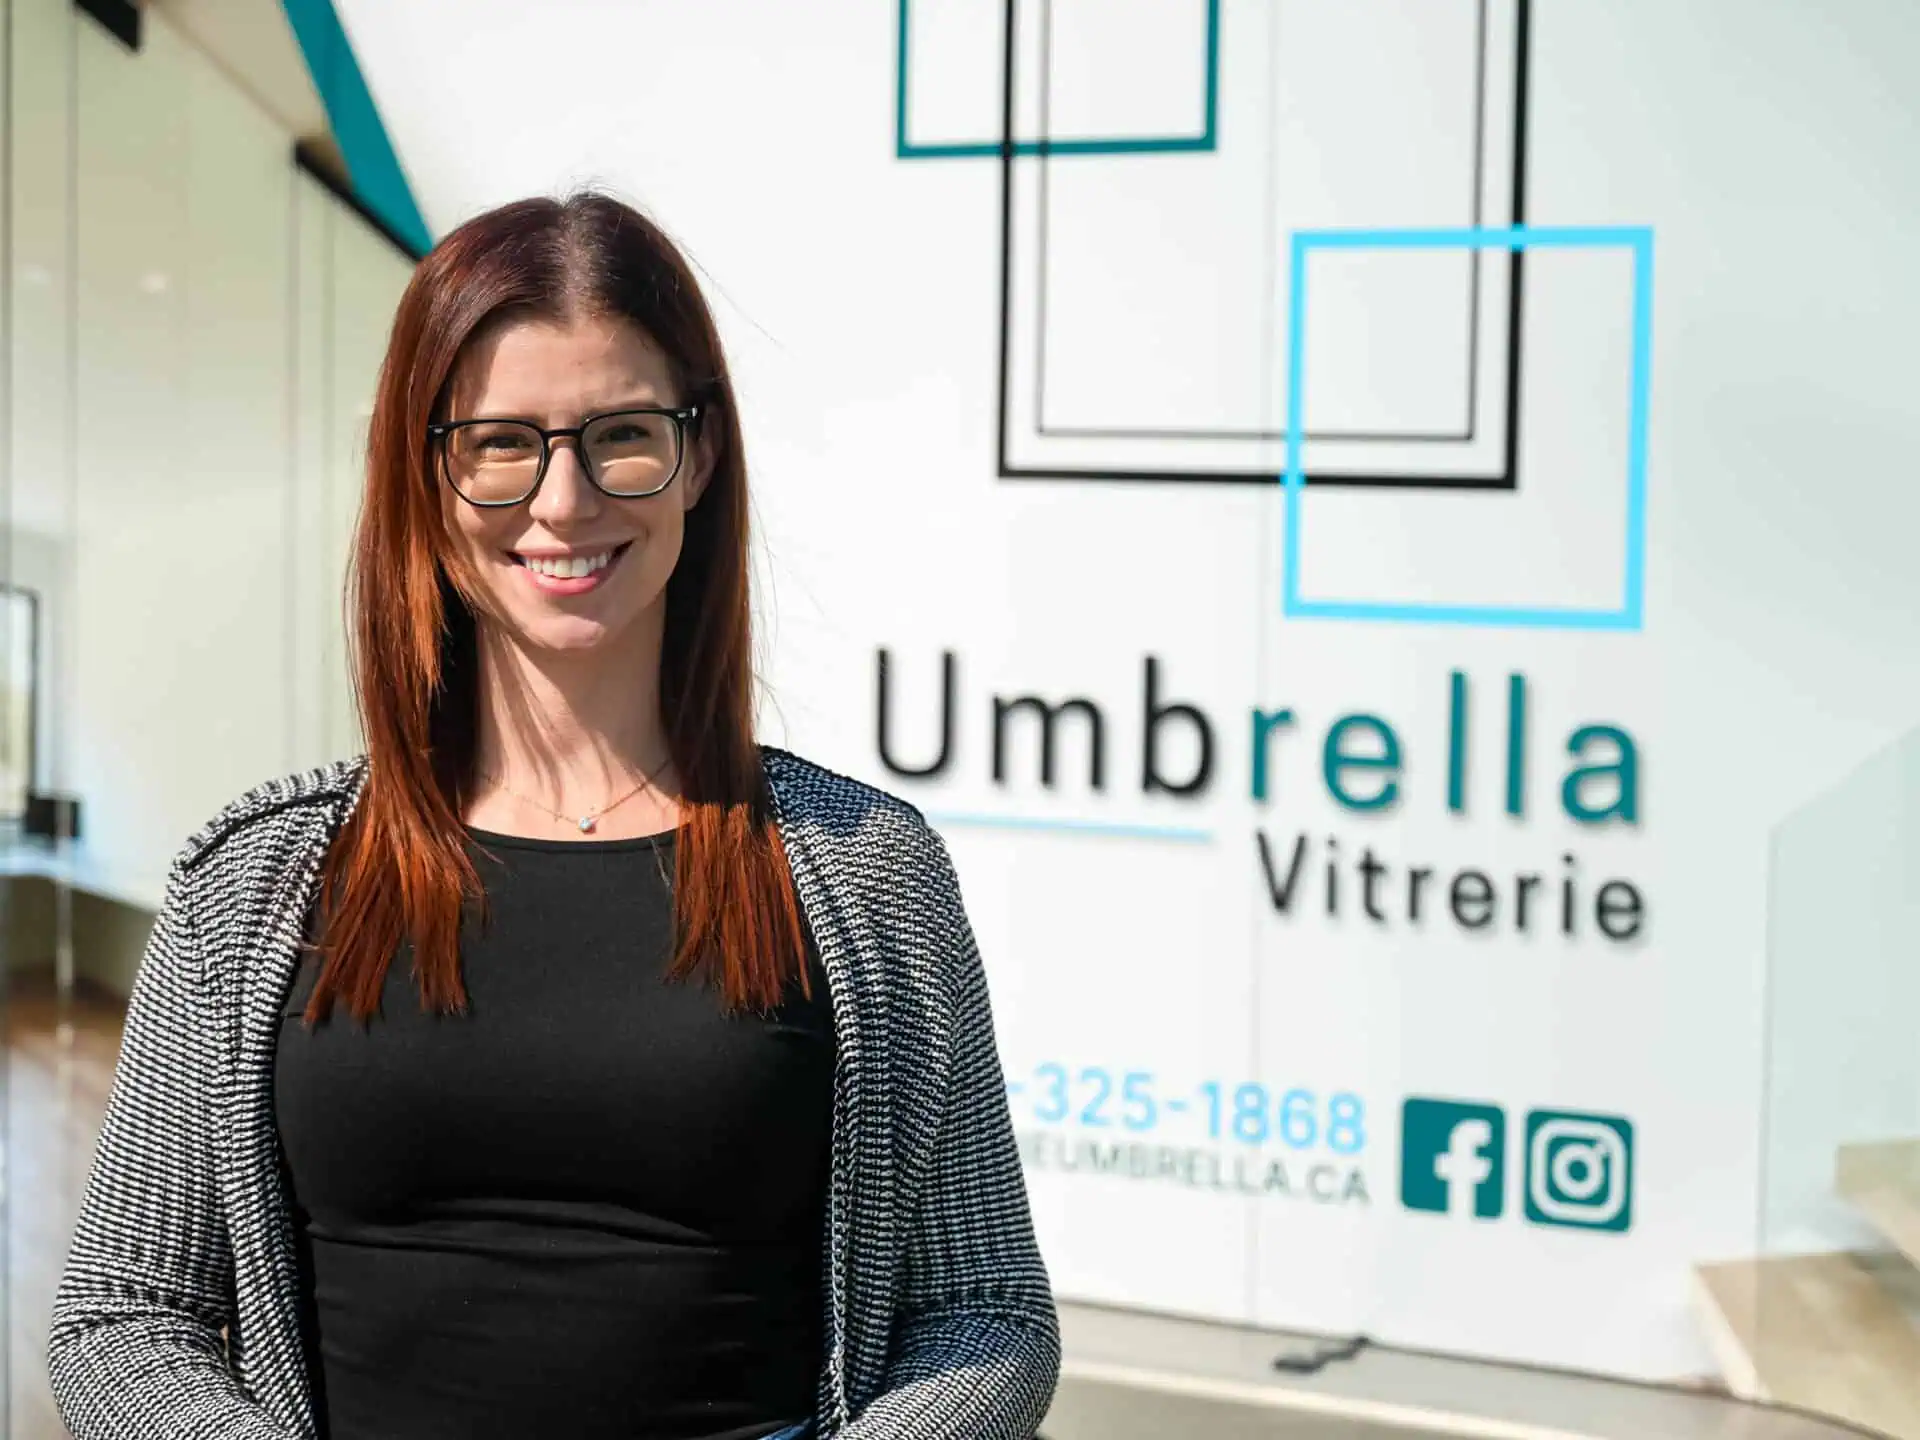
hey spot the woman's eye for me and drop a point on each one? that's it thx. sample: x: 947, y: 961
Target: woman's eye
x: 627, y: 432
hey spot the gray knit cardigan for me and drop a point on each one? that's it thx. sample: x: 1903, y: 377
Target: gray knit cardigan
x: 940, y: 1322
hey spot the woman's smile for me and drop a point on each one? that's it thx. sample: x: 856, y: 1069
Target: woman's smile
x: 569, y: 572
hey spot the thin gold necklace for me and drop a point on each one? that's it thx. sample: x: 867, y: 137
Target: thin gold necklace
x: 587, y: 821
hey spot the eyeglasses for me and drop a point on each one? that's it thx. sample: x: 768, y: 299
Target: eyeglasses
x: 627, y: 454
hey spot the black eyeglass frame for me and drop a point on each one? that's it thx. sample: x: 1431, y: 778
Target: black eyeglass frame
x: 684, y: 418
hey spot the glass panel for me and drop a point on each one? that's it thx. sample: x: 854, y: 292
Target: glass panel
x: 1841, y: 1182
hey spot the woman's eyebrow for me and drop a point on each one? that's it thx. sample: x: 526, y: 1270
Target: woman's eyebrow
x: 530, y: 417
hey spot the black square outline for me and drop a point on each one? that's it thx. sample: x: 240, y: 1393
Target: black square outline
x: 1505, y: 480
x: 1172, y: 432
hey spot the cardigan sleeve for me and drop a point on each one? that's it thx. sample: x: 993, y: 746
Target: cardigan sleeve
x: 135, y: 1351
x: 976, y: 1349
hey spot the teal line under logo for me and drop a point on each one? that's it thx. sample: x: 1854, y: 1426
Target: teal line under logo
x: 371, y: 164
x: 1112, y: 830
x: 1206, y: 140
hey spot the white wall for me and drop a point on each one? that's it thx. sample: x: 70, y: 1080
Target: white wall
x: 1769, y: 146
x: 197, y: 328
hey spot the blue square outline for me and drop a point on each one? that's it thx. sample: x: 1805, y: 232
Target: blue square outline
x: 1630, y: 615
x: 1206, y: 140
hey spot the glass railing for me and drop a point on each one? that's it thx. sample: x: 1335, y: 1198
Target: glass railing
x: 1826, y: 1313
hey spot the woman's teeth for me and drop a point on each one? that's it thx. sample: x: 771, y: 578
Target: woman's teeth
x: 567, y: 567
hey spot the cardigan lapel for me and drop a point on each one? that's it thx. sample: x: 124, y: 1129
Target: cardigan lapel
x: 844, y: 1177
x: 272, y: 1357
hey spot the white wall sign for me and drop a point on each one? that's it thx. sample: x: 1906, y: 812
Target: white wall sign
x: 1382, y: 948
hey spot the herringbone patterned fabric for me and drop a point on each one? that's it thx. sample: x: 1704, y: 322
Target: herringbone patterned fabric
x: 941, y: 1325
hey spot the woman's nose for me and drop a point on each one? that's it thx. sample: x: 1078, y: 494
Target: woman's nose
x: 565, y: 491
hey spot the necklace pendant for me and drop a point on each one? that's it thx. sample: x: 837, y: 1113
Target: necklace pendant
x: 586, y: 824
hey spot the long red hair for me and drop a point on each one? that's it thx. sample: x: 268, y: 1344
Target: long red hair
x: 398, y: 871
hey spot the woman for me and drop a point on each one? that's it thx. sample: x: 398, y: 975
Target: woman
x: 635, y: 1079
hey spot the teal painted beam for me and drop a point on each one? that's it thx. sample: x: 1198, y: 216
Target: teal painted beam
x: 357, y: 129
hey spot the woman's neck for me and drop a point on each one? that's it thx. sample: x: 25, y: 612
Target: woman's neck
x: 570, y: 732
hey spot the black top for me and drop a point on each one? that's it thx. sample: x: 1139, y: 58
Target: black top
x: 593, y: 1206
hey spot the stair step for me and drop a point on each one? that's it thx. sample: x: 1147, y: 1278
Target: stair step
x: 1818, y: 1332
x: 1882, y: 1182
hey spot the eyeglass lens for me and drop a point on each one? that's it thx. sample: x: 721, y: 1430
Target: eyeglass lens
x: 629, y: 454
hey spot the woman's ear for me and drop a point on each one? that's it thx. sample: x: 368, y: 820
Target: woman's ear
x: 700, y: 469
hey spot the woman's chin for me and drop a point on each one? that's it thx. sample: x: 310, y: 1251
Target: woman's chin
x: 565, y: 635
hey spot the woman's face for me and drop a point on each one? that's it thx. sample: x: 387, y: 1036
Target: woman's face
x: 556, y: 375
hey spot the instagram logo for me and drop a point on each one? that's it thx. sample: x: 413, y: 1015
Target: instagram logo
x: 1579, y: 1170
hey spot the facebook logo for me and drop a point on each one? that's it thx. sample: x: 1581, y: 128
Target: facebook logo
x: 1453, y: 1157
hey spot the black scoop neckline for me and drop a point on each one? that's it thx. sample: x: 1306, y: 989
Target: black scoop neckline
x: 494, y: 839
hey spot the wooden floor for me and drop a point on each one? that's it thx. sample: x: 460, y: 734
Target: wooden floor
x: 56, y: 1092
